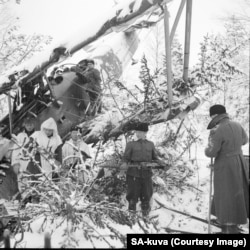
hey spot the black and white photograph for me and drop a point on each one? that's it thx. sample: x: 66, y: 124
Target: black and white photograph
x: 124, y: 123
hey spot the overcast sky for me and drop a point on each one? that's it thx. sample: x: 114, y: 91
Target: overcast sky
x: 61, y: 17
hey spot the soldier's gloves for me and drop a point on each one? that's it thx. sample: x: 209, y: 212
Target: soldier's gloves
x: 124, y: 166
x: 123, y: 169
x: 121, y: 174
x: 211, y: 166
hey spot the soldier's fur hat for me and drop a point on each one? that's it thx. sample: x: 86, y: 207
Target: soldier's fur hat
x: 141, y: 127
x: 217, y: 109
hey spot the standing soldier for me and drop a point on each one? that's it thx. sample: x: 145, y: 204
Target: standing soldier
x: 231, y: 193
x: 139, y: 179
x: 48, y: 143
x: 19, y: 164
x: 80, y: 86
x: 94, y: 85
x: 75, y: 151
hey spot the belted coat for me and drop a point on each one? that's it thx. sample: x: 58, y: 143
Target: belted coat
x: 140, y: 151
x: 231, y: 176
x: 139, y: 181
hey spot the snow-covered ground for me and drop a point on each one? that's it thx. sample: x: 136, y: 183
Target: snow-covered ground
x: 193, y: 201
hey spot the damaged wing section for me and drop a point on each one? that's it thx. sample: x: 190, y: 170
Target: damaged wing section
x: 111, y: 125
x: 32, y: 92
x: 122, y: 20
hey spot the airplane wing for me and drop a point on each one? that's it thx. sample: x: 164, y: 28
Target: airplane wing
x: 123, y: 19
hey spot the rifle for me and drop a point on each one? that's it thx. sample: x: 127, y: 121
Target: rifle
x: 140, y: 165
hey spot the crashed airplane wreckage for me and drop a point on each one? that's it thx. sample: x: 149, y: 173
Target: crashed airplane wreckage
x: 44, y: 98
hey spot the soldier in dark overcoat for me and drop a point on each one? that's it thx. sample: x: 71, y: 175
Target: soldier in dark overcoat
x: 93, y: 86
x: 231, y: 176
x: 139, y: 179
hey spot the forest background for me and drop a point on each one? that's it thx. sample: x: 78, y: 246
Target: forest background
x: 220, y: 74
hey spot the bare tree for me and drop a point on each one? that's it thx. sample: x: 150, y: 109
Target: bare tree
x: 16, y: 47
x: 245, y: 12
